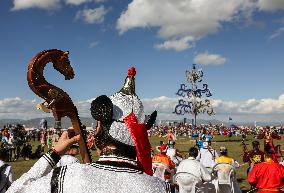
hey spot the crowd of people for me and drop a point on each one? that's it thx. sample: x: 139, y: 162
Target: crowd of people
x: 206, y: 170
x: 15, y: 143
x: 186, y: 129
x: 127, y: 163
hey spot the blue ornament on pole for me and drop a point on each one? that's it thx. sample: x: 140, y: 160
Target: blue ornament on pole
x: 192, y: 101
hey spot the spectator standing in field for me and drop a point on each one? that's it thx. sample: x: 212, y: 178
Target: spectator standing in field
x: 26, y: 151
x: 269, y: 135
x: 206, y: 135
x: 42, y: 139
x: 49, y: 140
x: 170, y: 136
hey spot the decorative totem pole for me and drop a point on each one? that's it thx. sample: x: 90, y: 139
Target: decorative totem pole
x: 193, y: 101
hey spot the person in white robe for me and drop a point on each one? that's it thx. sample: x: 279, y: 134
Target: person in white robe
x: 207, y: 156
x: 191, y: 174
x: 173, y: 153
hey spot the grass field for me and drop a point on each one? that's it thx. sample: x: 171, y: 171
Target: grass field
x: 183, y: 144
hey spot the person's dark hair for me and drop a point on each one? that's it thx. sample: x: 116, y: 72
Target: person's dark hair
x: 223, y: 151
x: 255, y: 144
x: 102, y: 110
x: 74, y: 146
x: 267, y: 155
x: 193, y: 152
x: 267, y: 149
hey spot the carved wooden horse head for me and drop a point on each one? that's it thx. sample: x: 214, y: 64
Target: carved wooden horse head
x: 55, y: 98
x: 62, y: 65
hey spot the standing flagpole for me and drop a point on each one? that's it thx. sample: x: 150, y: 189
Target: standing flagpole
x: 229, y: 123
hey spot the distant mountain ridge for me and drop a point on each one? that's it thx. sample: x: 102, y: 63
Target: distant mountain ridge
x: 218, y: 122
x: 65, y: 122
x: 87, y: 121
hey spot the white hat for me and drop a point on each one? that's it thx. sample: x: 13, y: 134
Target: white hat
x: 124, y: 102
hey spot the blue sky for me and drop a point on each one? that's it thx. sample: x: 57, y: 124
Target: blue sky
x: 238, y: 44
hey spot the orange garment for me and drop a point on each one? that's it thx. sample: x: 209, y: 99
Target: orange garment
x: 170, y: 137
x: 163, y: 158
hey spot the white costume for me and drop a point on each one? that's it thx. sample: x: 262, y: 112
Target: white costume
x: 117, y: 170
x: 171, y: 152
x: 88, y: 178
x: 207, y: 158
x: 190, y: 174
x: 6, y: 177
x: 67, y: 160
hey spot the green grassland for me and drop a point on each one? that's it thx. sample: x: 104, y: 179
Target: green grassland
x: 182, y: 144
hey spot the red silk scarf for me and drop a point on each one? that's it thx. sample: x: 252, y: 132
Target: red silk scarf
x: 139, y: 136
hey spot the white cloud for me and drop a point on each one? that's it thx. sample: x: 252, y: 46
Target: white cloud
x: 17, y: 108
x: 42, y: 4
x: 179, y: 19
x: 48, y: 4
x: 252, y: 109
x: 209, y: 59
x: 277, y: 33
x: 267, y: 109
x: 14, y: 108
x: 252, y: 106
x: 79, y: 2
x: 76, y: 2
x: 93, y: 44
x: 92, y: 15
x: 177, y: 44
x: 271, y: 5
